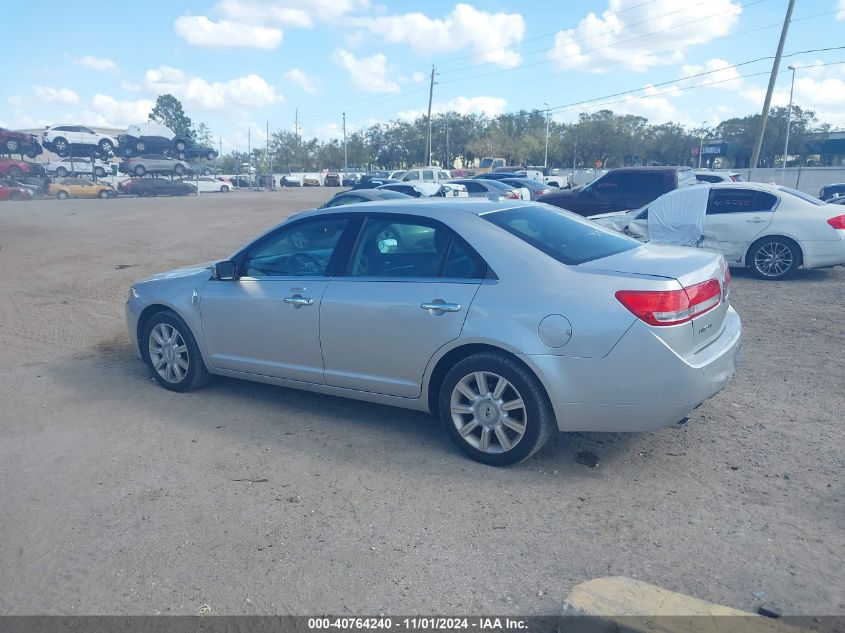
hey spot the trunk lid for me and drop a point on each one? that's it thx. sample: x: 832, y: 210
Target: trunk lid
x: 682, y: 267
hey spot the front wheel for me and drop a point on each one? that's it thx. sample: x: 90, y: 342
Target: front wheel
x: 61, y: 172
x: 140, y: 170
x: 140, y: 147
x: 101, y: 173
x: 106, y: 147
x: 224, y: 189
x: 12, y: 146
x: 62, y: 195
x: 773, y: 258
x: 172, y: 354
x: 495, y: 409
x: 104, y: 193
x: 179, y: 170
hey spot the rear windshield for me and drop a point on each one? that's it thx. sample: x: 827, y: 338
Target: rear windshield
x: 562, y: 235
x: 803, y: 196
x: 497, y: 184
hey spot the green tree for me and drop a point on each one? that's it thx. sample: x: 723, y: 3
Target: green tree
x: 202, y: 135
x: 169, y: 112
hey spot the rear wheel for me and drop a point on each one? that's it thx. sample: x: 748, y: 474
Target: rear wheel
x: 106, y: 147
x: 211, y: 156
x: 224, y: 189
x: 495, y: 409
x: 62, y: 195
x: 61, y: 146
x: 180, y: 146
x: 172, y: 354
x: 14, y: 172
x: 104, y: 193
x: 179, y: 170
x: 12, y: 146
x: 61, y: 172
x: 101, y: 173
x: 773, y: 258
x: 140, y: 170
x: 140, y: 147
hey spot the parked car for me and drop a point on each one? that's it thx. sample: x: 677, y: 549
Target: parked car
x: 771, y: 230
x: 350, y: 180
x: 151, y: 138
x: 12, y: 191
x: 534, y: 187
x: 420, y: 189
x: 331, y: 179
x: 19, y: 143
x: 78, y: 166
x: 78, y: 140
x: 496, y: 175
x: 192, y: 152
x: 363, y: 195
x: 209, y: 184
x: 706, y: 175
x: 490, y: 189
x: 621, y: 189
x: 427, y: 174
x: 80, y: 188
x: 489, y: 164
x: 289, y: 180
x: 310, y: 181
x: 153, y: 164
x: 829, y: 191
x: 145, y: 187
x: 374, y: 183
x: 241, y: 181
x: 595, y: 307
x: 19, y: 168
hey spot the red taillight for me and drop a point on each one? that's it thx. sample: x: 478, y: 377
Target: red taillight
x: 513, y: 195
x: 671, y: 307
x: 838, y: 222
x: 727, y: 287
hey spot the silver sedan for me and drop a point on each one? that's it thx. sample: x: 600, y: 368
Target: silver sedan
x: 508, y: 321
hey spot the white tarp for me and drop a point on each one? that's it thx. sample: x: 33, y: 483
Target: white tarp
x: 678, y: 216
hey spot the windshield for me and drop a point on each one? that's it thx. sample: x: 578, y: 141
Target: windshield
x: 486, y: 162
x: 560, y: 234
x: 803, y: 196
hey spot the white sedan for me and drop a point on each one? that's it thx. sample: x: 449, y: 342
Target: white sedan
x: 210, y: 184
x: 770, y: 229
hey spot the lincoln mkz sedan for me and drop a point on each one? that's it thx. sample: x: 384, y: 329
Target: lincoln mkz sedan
x: 506, y: 320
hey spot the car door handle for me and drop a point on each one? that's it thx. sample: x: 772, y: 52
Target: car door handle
x: 443, y: 307
x: 756, y: 220
x: 297, y: 300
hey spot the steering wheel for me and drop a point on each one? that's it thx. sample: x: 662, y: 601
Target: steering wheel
x: 305, y: 263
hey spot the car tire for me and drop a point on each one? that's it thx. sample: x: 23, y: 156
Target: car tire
x: 61, y: 172
x: 100, y: 172
x: 179, y: 170
x: 503, y: 421
x: 139, y: 170
x: 224, y: 189
x: 211, y: 156
x: 180, y: 146
x: 16, y: 197
x: 773, y: 258
x: 62, y: 195
x: 181, y: 156
x: 140, y: 147
x: 146, y: 192
x: 12, y: 146
x: 61, y: 146
x: 14, y: 172
x: 104, y: 193
x: 31, y: 154
x: 106, y: 147
x: 172, y: 354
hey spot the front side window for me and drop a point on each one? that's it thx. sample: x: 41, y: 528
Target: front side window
x: 412, y: 248
x: 566, y: 238
x: 301, y: 250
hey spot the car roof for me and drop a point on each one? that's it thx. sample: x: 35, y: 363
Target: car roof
x: 440, y: 208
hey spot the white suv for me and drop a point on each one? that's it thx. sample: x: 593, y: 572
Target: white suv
x: 64, y: 139
x: 77, y: 166
x: 427, y: 174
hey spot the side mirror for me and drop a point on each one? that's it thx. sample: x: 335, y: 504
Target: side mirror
x: 223, y: 271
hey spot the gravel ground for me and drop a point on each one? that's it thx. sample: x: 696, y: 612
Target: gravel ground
x: 119, y: 497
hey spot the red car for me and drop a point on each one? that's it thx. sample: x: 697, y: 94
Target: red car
x: 19, y: 143
x: 15, y: 168
x: 11, y: 192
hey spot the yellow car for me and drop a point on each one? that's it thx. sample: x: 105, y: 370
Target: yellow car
x: 80, y: 188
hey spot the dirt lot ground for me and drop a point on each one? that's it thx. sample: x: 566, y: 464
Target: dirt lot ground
x: 120, y: 497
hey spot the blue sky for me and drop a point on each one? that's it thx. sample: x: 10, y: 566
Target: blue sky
x: 236, y: 64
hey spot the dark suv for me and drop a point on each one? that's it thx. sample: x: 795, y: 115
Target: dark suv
x: 19, y: 143
x: 621, y: 189
x: 829, y: 191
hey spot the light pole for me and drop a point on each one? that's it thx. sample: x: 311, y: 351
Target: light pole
x: 546, y: 155
x: 788, y: 120
x: 345, y: 156
x: 701, y: 144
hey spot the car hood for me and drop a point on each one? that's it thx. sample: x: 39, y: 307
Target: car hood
x: 177, y: 273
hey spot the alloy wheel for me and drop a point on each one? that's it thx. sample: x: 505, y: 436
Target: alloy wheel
x: 773, y: 259
x: 168, y: 353
x: 488, y: 412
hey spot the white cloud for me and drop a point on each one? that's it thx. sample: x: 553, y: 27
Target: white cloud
x: 287, y: 12
x: 609, y: 39
x: 488, y: 106
x: 823, y: 93
x: 417, y: 77
x: 302, y: 79
x: 366, y: 73
x: 61, y: 95
x: 727, y: 78
x: 841, y: 14
x: 195, y: 92
x: 14, y: 100
x: 489, y: 35
x: 200, y: 31
x: 96, y: 63
x: 107, y: 111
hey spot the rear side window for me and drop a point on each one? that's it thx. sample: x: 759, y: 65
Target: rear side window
x: 739, y: 201
x: 563, y: 236
x: 802, y: 195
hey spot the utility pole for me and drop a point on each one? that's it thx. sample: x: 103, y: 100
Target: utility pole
x: 345, y: 155
x: 758, y: 141
x: 788, y: 120
x: 430, y: 97
x: 269, y: 159
x: 546, y: 155
x: 448, y: 155
x: 220, y: 146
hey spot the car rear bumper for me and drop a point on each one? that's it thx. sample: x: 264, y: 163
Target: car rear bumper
x: 641, y: 385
